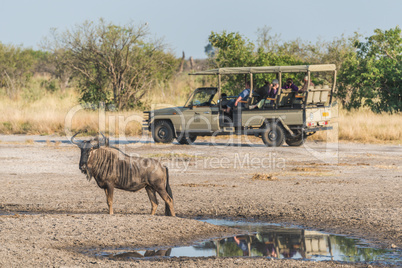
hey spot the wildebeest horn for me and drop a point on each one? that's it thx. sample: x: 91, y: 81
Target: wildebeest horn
x: 106, y: 140
x: 76, y: 142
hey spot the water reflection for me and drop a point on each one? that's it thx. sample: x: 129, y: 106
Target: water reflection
x: 139, y: 254
x: 275, y: 242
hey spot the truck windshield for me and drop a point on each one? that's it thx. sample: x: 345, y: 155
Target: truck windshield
x: 202, y: 97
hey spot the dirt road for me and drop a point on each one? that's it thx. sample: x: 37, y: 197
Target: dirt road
x: 51, y: 215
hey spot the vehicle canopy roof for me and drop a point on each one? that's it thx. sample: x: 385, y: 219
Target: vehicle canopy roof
x: 269, y: 69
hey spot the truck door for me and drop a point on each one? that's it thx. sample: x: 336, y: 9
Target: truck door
x: 201, y: 115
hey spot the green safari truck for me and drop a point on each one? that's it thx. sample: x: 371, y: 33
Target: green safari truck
x: 290, y: 117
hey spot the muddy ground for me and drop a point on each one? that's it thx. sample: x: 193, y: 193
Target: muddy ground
x: 50, y: 215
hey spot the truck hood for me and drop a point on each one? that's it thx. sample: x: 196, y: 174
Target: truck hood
x: 169, y: 111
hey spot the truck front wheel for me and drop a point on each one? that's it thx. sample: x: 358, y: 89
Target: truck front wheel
x: 186, y: 138
x: 273, y: 135
x: 162, y: 131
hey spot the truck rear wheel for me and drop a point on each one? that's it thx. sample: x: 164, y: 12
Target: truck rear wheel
x: 273, y: 135
x: 162, y: 131
x: 186, y: 139
x: 297, y: 141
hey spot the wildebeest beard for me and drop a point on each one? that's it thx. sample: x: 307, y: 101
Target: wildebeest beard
x: 87, y: 173
x: 85, y: 155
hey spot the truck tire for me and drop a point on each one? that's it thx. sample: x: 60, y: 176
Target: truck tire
x: 162, y: 131
x: 297, y: 141
x: 186, y: 139
x: 273, y: 135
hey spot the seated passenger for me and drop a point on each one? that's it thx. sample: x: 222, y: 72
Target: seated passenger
x: 243, y: 96
x: 223, y: 100
x: 274, y: 89
x: 262, y: 92
x: 271, y: 94
x: 289, y: 84
x: 305, y: 87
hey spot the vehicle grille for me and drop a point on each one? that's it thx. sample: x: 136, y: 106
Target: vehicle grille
x: 145, y: 123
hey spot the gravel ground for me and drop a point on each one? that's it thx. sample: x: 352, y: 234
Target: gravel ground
x: 50, y: 215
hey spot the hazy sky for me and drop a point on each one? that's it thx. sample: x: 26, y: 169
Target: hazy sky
x: 186, y: 24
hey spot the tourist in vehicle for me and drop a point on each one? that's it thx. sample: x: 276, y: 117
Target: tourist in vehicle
x: 224, y: 100
x: 289, y: 84
x: 242, y: 244
x: 243, y: 96
x: 305, y: 87
x: 271, y: 94
x: 274, y: 89
x: 262, y: 92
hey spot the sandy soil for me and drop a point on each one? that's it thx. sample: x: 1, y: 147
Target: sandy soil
x: 51, y: 215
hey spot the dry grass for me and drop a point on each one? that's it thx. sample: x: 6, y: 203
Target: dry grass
x: 364, y: 126
x: 48, y: 115
x: 263, y: 177
x: 36, y: 111
x: 308, y: 169
x: 176, y: 92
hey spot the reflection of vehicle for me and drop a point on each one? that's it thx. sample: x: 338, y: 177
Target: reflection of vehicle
x: 290, y: 117
x: 278, y: 243
x: 271, y: 241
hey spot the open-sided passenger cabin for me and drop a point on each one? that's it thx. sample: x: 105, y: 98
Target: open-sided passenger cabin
x: 318, y: 95
x: 315, y: 96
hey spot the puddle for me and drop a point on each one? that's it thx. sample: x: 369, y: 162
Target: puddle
x: 270, y: 241
x: 16, y: 213
x: 5, y: 213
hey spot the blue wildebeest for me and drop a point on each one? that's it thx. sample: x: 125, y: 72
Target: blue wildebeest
x: 111, y: 168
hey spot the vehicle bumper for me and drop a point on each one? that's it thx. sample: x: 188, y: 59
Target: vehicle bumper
x: 315, y: 129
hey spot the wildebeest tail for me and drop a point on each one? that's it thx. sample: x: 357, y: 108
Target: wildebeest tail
x: 169, y: 191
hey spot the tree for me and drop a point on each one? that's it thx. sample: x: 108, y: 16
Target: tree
x: 230, y: 50
x: 322, y: 52
x: 15, y: 68
x: 114, y: 64
x: 233, y: 50
x: 373, y: 76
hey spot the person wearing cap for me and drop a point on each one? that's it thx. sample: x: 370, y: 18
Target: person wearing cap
x: 305, y: 87
x: 274, y: 89
x: 289, y: 84
x: 271, y: 94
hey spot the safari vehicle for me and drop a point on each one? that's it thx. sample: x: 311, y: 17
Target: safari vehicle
x: 290, y: 117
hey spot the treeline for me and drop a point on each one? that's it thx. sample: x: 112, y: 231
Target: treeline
x: 108, y: 63
x: 369, y: 69
x: 118, y: 65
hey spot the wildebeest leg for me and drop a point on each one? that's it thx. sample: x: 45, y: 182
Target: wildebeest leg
x: 109, y: 198
x: 168, y: 200
x: 152, y: 198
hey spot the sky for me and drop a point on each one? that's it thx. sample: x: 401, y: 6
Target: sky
x: 185, y: 25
